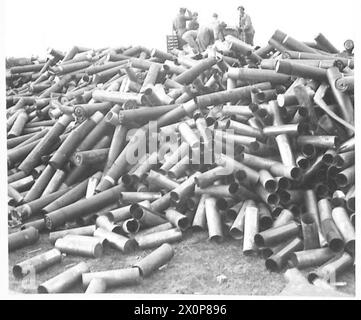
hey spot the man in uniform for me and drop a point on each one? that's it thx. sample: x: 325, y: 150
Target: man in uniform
x: 193, y: 24
x: 190, y: 37
x: 245, y: 26
x: 218, y: 28
x: 180, y: 24
x: 205, y: 37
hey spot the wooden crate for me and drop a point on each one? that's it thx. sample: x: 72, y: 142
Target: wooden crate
x: 172, y: 42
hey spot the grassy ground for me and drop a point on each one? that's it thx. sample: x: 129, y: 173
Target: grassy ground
x: 193, y: 270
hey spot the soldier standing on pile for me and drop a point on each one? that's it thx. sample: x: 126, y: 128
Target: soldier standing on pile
x: 180, y: 24
x: 245, y: 26
x: 193, y: 24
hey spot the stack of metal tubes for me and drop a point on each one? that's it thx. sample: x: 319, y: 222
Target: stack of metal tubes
x: 130, y: 148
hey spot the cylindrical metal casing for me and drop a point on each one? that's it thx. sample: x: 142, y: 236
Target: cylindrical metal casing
x: 37, y: 263
x: 214, y: 221
x: 278, y: 260
x: 18, y: 125
x: 237, y: 229
x: 300, y: 70
x: 47, y: 142
x: 311, y: 258
x: 106, y: 223
x: 81, y: 207
x: 274, y: 236
x: 73, y: 195
x: 199, y: 220
x: 265, y: 217
x: 116, y: 240
x: 113, y: 278
x: 283, y: 218
x: 207, y: 178
x: 267, y: 181
x: 191, y: 74
x: 80, y: 245
x: 64, y: 280
x: 188, y: 135
x: 155, y: 259
x: 74, y: 139
x: 145, y: 215
x: 346, y: 177
x: 332, y: 268
x: 157, y: 238
x: 81, y: 231
x: 22, y: 238
x: 96, y: 285
x: 343, y: 100
x: 184, y: 189
x: 40, y: 184
x: 120, y: 214
x: 344, y: 225
x: 251, y: 228
x: 332, y: 235
x: 312, y: 209
x: 324, y: 208
x: 160, y: 180
x: 178, y: 219
x: 310, y: 232
x: 161, y: 227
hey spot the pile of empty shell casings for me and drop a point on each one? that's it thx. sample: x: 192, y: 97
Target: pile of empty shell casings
x: 131, y: 147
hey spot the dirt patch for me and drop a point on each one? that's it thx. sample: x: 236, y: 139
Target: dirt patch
x: 193, y: 270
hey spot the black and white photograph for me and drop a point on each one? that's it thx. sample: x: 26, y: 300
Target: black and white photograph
x: 189, y: 149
